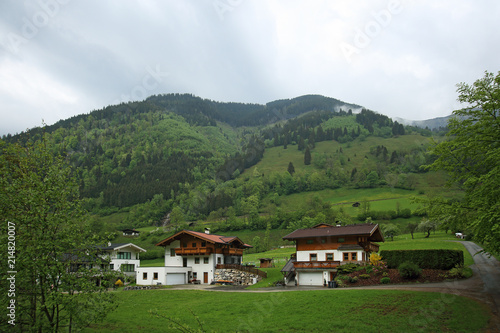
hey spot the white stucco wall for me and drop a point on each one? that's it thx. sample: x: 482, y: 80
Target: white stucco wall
x: 173, y: 260
x: 201, y: 268
x: 162, y: 274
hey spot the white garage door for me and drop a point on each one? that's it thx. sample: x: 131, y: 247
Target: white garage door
x: 310, y: 278
x: 175, y: 278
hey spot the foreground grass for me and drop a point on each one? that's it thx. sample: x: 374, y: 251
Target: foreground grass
x: 329, y: 310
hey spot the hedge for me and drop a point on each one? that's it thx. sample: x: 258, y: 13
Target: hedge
x: 432, y: 259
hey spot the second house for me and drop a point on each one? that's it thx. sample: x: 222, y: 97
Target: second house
x: 192, y: 256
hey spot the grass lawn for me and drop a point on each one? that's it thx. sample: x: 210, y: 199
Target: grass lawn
x: 153, y: 262
x: 329, y: 310
x: 273, y: 275
x: 437, y: 240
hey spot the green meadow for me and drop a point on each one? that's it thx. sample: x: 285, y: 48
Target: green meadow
x: 328, y: 310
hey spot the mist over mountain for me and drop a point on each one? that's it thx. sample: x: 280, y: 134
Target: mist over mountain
x: 434, y: 123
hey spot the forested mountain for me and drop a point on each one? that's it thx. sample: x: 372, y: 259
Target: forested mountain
x: 178, y: 150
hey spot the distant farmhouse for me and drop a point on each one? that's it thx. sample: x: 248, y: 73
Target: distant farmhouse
x: 320, y: 250
x: 193, y: 257
x: 123, y: 257
x: 131, y: 232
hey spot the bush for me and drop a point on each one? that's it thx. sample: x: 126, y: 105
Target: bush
x: 409, y: 270
x: 347, y: 268
x: 432, y: 259
x: 385, y: 280
x: 459, y: 272
x: 369, y: 269
x: 353, y: 279
x: 364, y: 276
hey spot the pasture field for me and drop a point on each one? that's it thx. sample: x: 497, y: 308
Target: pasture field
x: 328, y: 310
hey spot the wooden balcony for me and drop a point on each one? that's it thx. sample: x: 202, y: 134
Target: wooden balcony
x: 316, y: 264
x: 193, y: 251
x: 374, y: 247
x: 232, y: 252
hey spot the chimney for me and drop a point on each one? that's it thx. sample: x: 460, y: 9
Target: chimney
x: 207, y: 231
x: 109, y: 243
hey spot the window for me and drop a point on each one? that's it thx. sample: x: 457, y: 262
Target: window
x: 195, y: 275
x: 144, y: 276
x: 128, y: 267
x: 329, y: 257
x: 155, y: 276
x: 309, y: 241
x: 203, y: 244
x: 205, y: 260
x: 194, y: 244
x: 196, y: 260
x: 124, y: 255
x: 172, y: 252
x: 353, y: 256
x: 111, y: 266
x: 313, y: 257
x: 341, y: 240
x: 219, y: 260
x: 346, y: 256
x: 184, y: 244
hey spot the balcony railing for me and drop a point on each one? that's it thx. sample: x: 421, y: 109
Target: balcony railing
x: 193, y: 250
x: 235, y: 252
x: 316, y: 264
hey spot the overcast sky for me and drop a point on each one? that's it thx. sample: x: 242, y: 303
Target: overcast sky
x: 60, y: 58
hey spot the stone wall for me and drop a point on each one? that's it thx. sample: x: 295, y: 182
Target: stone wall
x: 238, y: 277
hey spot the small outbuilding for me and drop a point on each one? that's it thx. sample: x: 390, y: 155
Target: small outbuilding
x: 266, y: 262
x: 130, y: 232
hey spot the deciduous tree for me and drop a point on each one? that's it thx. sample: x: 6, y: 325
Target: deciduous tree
x: 471, y: 157
x: 49, y: 238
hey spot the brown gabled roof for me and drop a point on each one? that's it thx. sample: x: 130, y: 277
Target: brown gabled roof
x: 367, y: 229
x: 211, y: 238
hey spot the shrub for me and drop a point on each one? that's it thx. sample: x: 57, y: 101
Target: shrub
x: 375, y: 258
x: 369, y: 269
x: 364, y: 276
x: 353, y: 279
x: 459, y: 272
x: 385, y: 280
x: 433, y: 259
x: 385, y: 274
x: 409, y: 270
x: 347, y: 268
x: 342, y: 277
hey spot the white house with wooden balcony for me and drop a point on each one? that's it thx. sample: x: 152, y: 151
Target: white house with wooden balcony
x: 193, y: 257
x: 122, y: 257
x: 320, y: 250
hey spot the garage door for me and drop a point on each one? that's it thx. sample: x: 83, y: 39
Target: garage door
x: 310, y: 278
x: 175, y: 278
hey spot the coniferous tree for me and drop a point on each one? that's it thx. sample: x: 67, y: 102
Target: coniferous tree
x: 307, y: 156
x: 291, y: 169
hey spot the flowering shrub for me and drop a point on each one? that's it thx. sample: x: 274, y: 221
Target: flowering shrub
x: 375, y: 259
